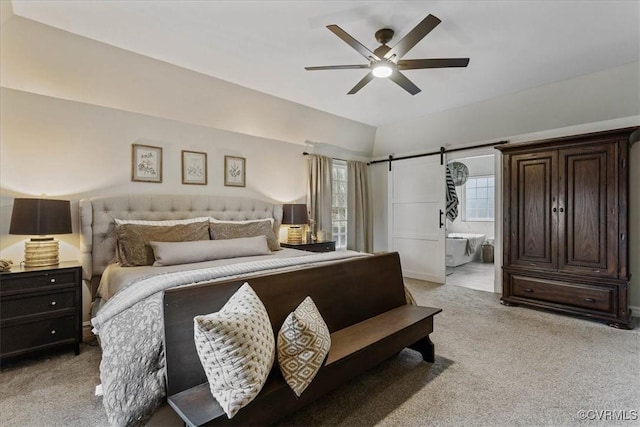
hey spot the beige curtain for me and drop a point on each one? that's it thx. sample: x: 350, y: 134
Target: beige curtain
x: 319, y: 193
x: 360, y: 227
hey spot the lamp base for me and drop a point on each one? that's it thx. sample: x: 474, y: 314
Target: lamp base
x: 294, y: 235
x: 41, y: 252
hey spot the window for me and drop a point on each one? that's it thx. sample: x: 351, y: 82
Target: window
x: 479, y: 198
x: 339, y: 203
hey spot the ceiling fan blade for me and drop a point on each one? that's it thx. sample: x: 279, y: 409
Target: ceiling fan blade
x: 414, y: 36
x: 413, y: 64
x: 404, y: 82
x: 361, y: 84
x: 352, y: 42
x: 337, y: 67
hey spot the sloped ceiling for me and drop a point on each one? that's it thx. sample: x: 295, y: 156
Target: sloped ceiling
x: 265, y: 45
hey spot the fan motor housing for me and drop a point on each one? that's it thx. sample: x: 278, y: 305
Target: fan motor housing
x: 384, y: 35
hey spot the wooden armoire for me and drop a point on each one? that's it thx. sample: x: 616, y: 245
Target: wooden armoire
x: 565, y: 230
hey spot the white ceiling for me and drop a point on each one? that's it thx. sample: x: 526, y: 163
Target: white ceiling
x: 265, y: 45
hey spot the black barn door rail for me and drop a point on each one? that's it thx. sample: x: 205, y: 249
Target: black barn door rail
x: 442, y: 152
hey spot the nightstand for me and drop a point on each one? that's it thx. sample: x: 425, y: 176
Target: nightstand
x: 312, y: 247
x: 40, y: 309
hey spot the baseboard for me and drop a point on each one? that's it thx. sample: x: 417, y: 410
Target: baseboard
x: 420, y: 276
x: 635, y: 311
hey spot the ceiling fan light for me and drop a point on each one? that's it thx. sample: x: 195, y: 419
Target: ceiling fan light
x: 382, y: 70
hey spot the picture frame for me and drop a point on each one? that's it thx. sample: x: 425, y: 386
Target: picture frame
x: 194, y: 167
x: 234, y: 171
x: 146, y: 163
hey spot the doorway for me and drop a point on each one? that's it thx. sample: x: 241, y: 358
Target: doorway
x: 470, y: 237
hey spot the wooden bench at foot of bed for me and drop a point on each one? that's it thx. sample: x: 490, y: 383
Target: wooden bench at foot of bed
x: 362, y: 301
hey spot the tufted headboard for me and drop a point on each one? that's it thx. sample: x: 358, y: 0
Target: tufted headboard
x: 97, y: 238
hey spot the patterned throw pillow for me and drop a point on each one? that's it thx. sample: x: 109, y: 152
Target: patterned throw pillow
x: 234, y: 229
x: 303, y: 343
x: 132, y: 240
x: 236, y: 348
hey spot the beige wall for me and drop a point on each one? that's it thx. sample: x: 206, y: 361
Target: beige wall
x: 44, y: 60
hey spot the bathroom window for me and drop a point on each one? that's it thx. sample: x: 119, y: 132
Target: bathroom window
x: 479, y: 198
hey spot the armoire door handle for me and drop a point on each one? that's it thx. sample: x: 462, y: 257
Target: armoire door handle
x: 441, y: 223
x: 554, y: 210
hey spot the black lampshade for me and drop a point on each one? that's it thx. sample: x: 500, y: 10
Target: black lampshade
x: 40, y: 217
x: 295, y: 214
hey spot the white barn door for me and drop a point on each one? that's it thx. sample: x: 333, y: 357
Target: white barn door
x: 417, y: 215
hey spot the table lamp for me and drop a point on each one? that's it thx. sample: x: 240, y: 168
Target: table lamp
x: 294, y: 215
x: 40, y: 217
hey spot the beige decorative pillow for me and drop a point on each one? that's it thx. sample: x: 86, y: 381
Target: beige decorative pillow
x: 236, y: 348
x: 303, y: 343
x: 235, y: 229
x: 132, y: 240
x: 172, y: 253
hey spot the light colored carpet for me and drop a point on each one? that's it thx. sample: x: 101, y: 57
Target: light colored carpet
x: 495, y: 366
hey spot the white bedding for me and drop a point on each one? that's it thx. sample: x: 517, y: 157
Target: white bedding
x: 115, y: 276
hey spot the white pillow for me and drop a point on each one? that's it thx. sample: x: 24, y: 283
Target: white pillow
x: 162, y: 222
x: 172, y: 253
x: 236, y: 348
x: 303, y: 343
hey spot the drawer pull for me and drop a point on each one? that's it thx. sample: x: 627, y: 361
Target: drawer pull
x: 53, y: 332
x: 53, y: 303
x: 528, y: 290
x: 53, y: 280
x: 590, y: 300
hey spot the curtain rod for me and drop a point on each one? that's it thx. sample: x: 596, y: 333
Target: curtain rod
x: 304, y: 153
x: 442, y: 151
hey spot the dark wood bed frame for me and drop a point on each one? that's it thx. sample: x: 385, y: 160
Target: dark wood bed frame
x: 362, y: 301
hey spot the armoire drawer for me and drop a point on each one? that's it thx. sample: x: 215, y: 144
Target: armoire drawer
x: 597, y: 298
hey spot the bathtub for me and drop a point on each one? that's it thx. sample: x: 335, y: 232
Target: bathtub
x: 462, y: 248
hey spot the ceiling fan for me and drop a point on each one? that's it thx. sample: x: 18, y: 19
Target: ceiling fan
x: 387, y: 61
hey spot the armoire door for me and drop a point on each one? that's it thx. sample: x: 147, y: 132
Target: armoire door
x: 533, y: 219
x: 588, y: 212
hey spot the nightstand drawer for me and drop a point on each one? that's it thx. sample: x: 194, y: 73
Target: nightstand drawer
x: 36, y: 304
x: 30, y: 281
x: 23, y: 337
x: 329, y: 246
x: 323, y: 247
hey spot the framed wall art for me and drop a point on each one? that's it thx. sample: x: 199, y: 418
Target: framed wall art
x: 194, y: 167
x: 234, y: 171
x: 146, y: 163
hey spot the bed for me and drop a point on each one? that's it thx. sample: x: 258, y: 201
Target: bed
x: 127, y: 308
x: 462, y: 248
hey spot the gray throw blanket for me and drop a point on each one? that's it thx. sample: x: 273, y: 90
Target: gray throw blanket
x: 130, y: 326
